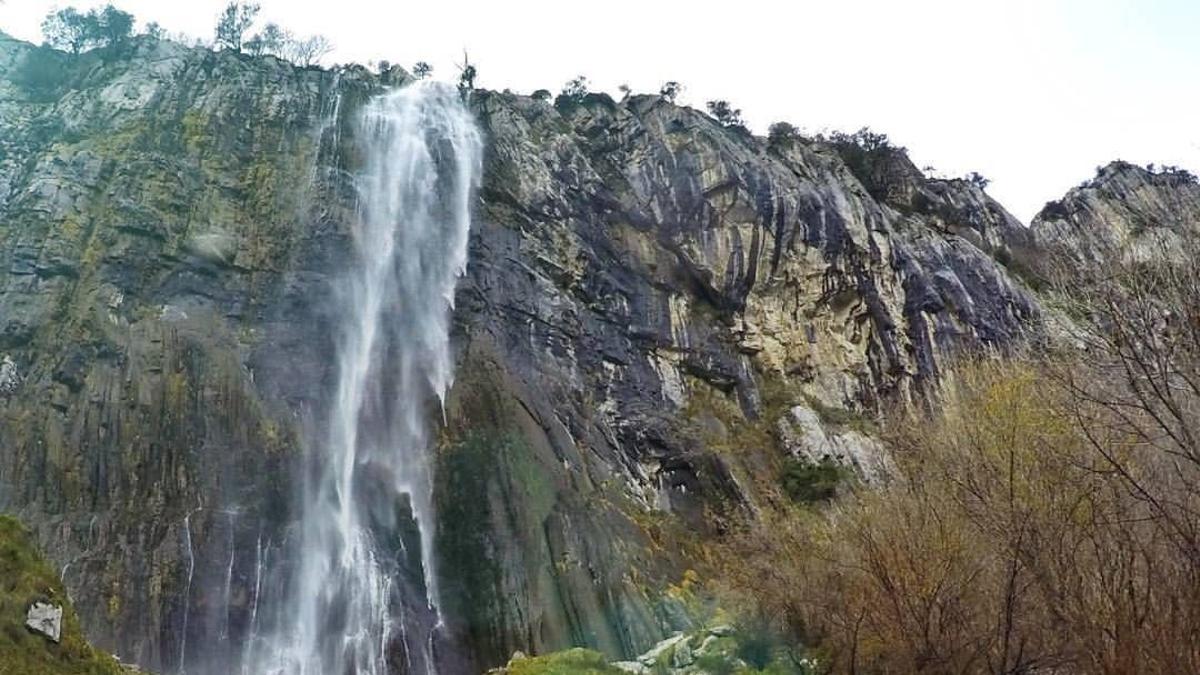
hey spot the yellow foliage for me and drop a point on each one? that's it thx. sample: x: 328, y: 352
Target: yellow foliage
x: 1005, y: 546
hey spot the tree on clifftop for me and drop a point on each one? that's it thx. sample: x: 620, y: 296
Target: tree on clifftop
x: 270, y: 40
x: 74, y: 31
x: 154, y: 30
x: 978, y: 180
x: 782, y: 133
x: 67, y: 29
x: 233, y: 23
x: 671, y: 91
x: 575, y: 90
x: 466, y: 77
x: 112, y: 25
x: 725, y: 113
x: 308, y: 51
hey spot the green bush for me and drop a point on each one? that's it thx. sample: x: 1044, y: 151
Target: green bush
x: 807, y: 482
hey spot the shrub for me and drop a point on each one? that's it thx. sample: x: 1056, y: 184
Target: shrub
x: 781, y: 133
x: 74, y: 31
x: 977, y: 180
x: 809, y: 482
x: 867, y: 154
x: 575, y: 90
x: 467, y: 72
x: 1011, y: 544
x: 756, y: 648
x: 725, y: 114
x: 234, y: 21
x: 671, y: 91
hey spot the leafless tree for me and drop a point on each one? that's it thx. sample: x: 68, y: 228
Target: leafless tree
x: 308, y: 51
x: 1136, y: 317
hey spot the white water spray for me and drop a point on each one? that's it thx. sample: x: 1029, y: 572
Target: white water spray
x: 345, y: 612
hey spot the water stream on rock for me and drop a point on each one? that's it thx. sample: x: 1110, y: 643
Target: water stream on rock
x: 362, y: 601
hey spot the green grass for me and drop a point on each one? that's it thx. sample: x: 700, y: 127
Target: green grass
x: 569, y: 662
x: 25, y: 578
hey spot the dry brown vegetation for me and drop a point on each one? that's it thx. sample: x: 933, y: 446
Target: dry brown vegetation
x: 1047, y: 516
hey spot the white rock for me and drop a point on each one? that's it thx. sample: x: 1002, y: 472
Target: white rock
x: 682, y: 657
x: 721, y: 631
x: 9, y: 377
x: 807, y: 437
x: 651, y: 657
x: 46, y: 619
x: 867, y: 455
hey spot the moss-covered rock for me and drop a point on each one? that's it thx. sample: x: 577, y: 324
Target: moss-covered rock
x: 568, y: 662
x: 533, y: 555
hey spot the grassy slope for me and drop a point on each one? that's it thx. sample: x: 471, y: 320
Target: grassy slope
x: 569, y: 662
x: 25, y: 578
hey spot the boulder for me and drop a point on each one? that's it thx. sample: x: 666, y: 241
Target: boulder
x: 46, y: 619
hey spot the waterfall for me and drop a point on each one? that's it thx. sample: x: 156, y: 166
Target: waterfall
x: 349, y: 608
x: 187, y: 591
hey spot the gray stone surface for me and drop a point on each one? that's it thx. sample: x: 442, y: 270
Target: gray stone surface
x: 45, y: 619
x: 1124, y: 207
x: 10, y: 377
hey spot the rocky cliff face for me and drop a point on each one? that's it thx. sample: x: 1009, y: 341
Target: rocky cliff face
x: 1124, y: 208
x: 652, y: 302
x: 648, y: 292
x: 162, y: 265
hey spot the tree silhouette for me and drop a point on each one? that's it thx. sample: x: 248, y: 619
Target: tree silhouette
x: 74, y: 31
x: 671, y: 91
x: 270, y: 40
x: 235, y: 20
x: 575, y: 90
x: 725, y: 113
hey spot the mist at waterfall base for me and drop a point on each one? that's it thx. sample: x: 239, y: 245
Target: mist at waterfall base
x: 354, y: 590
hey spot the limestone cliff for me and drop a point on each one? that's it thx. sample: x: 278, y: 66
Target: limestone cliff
x: 649, y: 294
x: 1124, y: 208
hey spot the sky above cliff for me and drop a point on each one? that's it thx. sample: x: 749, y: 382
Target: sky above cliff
x: 1033, y: 94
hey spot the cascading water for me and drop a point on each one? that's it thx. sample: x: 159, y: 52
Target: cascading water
x: 349, y: 609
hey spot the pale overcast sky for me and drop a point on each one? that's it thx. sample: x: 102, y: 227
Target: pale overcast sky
x: 1033, y: 94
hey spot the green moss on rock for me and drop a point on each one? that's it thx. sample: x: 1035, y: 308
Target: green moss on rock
x: 568, y: 662
x: 464, y: 537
